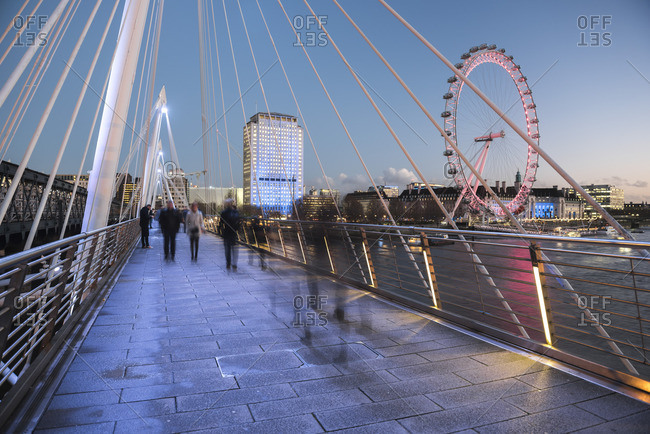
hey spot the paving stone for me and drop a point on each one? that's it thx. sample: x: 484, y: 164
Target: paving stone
x: 203, y: 401
x: 177, y: 389
x: 636, y: 423
x: 99, y: 428
x: 459, y: 351
x: 302, y: 374
x: 558, y: 396
x: 301, y: 424
x: 419, y: 386
x: 373, y: 413
x: 307, y: 404
x: 569, y: 418
x: 391, y: 427
x: 432, y: 368
x: 341, y: 382
x: 75, y: 400
x: 505, y: 370
x: 477, y: 393
x: 614, y: 406
x: 461, y: 418
x: 189, y: 421
x: 547, y: 378
x: 105, y: 413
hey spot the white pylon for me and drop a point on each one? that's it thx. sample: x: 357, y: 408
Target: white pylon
x: 116, y: 107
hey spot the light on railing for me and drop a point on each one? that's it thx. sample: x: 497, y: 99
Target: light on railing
x: 542, y: 305
x: 426, y: 265
x: 328, y: 254
x: 365, y: 253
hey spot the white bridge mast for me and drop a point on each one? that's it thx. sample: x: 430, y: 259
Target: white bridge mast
x: 116, y: 107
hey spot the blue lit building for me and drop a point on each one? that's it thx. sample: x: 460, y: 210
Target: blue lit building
x: 273, y: 162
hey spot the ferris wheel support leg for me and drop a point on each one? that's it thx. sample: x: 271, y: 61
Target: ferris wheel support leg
x: 116, y: 106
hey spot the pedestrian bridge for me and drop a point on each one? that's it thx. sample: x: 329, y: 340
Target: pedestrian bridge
x: 325, y: 327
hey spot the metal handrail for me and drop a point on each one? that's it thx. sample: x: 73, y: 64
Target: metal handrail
x: 519, y: 287
x: 45, y: 291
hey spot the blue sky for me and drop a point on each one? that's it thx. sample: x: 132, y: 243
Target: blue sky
x: 593, y: 103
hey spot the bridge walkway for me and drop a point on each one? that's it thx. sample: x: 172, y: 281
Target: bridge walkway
x: 190, y: 346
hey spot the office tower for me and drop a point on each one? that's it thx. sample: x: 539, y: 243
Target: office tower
x: 273, y: 155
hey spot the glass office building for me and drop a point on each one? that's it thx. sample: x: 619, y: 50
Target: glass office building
x: 273, y: 158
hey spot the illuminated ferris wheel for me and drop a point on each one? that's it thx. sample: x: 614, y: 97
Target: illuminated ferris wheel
x: 494, y: 149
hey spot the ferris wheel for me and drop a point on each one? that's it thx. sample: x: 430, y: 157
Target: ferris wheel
x: 494, y: 149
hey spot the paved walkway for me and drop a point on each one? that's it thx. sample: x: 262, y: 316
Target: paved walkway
x: 187, y: 346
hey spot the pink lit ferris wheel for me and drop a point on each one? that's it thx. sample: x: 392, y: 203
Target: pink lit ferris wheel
x: 491, y: 146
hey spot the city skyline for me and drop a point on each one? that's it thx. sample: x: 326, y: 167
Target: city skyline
x: 589, y: 122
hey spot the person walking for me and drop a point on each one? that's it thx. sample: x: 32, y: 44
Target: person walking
x: 170, y: 222
x: 194, y: 227
x: 145, y: 221
x: 228, y: 226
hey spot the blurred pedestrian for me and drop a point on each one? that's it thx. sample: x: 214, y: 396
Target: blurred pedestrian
x: 170, y: 222
x: 145, y: 221
x: 228, y: 226
x: 194, y: 227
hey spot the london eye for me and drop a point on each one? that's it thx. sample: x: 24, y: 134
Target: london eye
x: 486, y: 140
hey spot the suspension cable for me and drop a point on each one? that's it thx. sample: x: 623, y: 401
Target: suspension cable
x: 12, y: 23
x: 26, y: 94
x: 401, y: 145
x: 338, y: 115
x: 27, y: 57
x: 223, y: 103
x: 304, y: 122
x: 37, y: 133
x: 268, y: 111
x: 243, y: 112
x: 88, y: 140
x: 73, y: 118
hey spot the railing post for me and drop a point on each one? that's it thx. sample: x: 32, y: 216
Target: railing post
x: 8, y: 308
x: 542, y: 292
x: 431, y: 272
x: 74, y: 304
x: 366, y: 253
x: 58, y: 297
x: 257, y: 244
x: 243, y: 226
x: 329, y: 254
x: 302, y: 250
x: 284, y: 249
x: 266, y: 237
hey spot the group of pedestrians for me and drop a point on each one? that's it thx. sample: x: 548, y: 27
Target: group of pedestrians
x: 170, y: 220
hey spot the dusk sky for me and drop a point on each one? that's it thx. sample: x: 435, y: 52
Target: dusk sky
x: 593, y: 102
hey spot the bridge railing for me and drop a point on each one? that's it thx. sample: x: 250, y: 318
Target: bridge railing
x: 44, y: 292
x: 584, y: 301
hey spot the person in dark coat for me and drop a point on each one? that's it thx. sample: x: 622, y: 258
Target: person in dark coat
x: 145, y: 220
x: 170, y: 222
x: 228, y: 226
